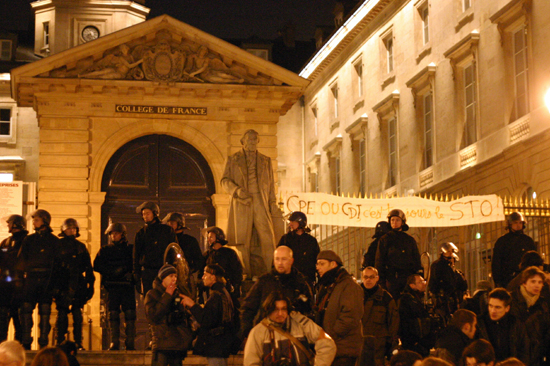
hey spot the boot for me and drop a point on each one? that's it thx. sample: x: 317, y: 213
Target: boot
x: 25, y: 316
x: 4, y: 322
x: 130, y: 318
x: 44, y: 310
x: 14, y: 312
x: 114, y: 323
x: 62, y: 324
x: 77, y: 326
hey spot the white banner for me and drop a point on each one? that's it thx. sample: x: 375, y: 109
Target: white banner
x: 11, y: 203
x: 326, y: 209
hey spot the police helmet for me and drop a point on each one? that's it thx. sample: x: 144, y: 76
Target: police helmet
x: 298, y: 217
x: 44, y: 215
x: 176, y: 217
x: 17, y: 222
x: 220, y: 235
x: 449, y: 247
x: 149, y: 205
x: 516, y: 216
x: 397, y: 212
x: 117, y: 227
x: 382, y: 228
x: 68, y: 224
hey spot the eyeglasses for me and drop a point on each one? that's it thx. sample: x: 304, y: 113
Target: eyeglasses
x: 369, y: 277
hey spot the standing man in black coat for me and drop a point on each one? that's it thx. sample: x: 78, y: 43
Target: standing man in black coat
x: 38, y: 257
x: 398, y: 256
x: 304, y: 246
x: 189, y: 245
x: 75, y: 281
x: 509, y: 249
x: 369, y: 258
x: 150, y: 244
x: 10, y: 279
x: 114, y: 263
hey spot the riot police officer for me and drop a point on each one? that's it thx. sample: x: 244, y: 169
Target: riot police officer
x: 150, y: 244
x: 369, y: 258
x: 114, y: 263
x: 10, y: 279
x: 75, y: 281
x: 447, y: 284
x: 397, y: 257
x: 38, y: 256
x: 304, y: 246
x: 509, y: 249
x: 187, y: 243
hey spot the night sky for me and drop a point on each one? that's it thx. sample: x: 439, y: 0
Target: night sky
x: 226, y: 19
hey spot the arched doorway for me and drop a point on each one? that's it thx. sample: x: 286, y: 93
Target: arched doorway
x: 162, y: 169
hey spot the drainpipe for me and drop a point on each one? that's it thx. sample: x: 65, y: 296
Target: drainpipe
x: 303, y: 117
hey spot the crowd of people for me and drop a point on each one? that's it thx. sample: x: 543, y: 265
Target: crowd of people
x: 308, y: 309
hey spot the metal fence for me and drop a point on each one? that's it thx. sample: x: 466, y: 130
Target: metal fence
x: 475, y: 242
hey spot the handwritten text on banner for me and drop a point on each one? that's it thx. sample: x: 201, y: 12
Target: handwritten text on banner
x: 326, y: 209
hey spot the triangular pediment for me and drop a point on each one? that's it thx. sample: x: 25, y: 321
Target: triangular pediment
x: 160, y: 50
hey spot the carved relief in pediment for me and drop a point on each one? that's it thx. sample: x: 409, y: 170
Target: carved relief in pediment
x: 164, y: 60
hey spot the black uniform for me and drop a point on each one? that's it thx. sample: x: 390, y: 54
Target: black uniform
x: 150, y: 244
x: 228, y: 259
x: 38, y: 258
x: 114, y: 263
x: 507, y: 254
x: 75, y: 286
x: 10, y: 284
x: 191, y: 251
x: 397, y: 258
x: 416, y: 327
x: 448, y: 285
x: 294, y: 285
x: 304, y: 251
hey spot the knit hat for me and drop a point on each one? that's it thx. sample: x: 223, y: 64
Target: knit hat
x: 166, y: 270
x: 329, y: 255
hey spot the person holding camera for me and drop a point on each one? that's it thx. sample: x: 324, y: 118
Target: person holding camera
x: 284, y: 338
x: 171, y: 331
x: 217, y: 334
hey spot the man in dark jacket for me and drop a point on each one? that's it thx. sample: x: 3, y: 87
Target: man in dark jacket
x: 416, y: 328
x: 150, y: 245
x: 530, y: 307
x: 75, y: 281
x: 369, y: 258
x: 38, y: 258
x: 165, y: 312
x: 458, y: 335
x: 339, y: 307
x: 10, y: 279
x: 398, y: 256
x: 284, y: 278
x: 380, y: 321
x: 216, y: 339
x: 304, y: 246
x: 447, y: 284
x: 226, y: 258
x: 505, y: 332
x: 114, y: 263
x: 509, y: 249
x: 187, y: 243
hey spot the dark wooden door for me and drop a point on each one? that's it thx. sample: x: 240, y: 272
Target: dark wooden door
x: 165, y: 170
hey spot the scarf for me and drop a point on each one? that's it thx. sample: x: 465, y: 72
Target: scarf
x: 529, y: 299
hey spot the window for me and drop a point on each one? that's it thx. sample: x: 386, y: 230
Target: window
x: 392, y: 152
x: 315, y: 120
x: 363, y: 167
x: 521, y: 100
x: 425, y: 15
x: 337, y: 175
x: 5, y: 50
x: 469, y: 136
x: 389, y: 53
x: 313, y: 170
x: 5, y: 122
x: 259, y: 52
x: 334, y: 90
x: 46, y: 34
x: 428, y: 130
x: 333, y: 150
x: 466, y: 4
x: 359, y: 72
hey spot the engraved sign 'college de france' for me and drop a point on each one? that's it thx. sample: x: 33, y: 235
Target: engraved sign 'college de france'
x: 189, y: 111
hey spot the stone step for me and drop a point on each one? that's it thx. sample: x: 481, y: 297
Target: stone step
x: 133, y: 358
